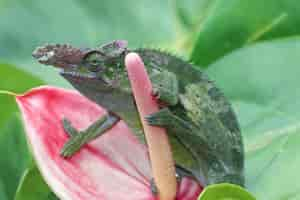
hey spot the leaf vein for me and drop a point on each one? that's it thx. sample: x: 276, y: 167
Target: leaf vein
x: 267, y: 28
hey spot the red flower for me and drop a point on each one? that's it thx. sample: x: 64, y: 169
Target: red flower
x: 113, y: 166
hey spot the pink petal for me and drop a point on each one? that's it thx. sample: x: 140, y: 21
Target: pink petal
x: 113, y: 166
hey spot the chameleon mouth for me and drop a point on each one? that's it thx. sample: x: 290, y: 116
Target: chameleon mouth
x: 76, y: 74
x: 87, y: 80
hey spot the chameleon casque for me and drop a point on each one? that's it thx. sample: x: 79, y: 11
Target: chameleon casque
x: 204, y: 132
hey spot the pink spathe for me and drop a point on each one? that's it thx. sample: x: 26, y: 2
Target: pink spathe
x: 113, y: 166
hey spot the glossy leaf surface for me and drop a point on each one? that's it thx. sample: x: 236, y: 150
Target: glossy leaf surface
x: 262, y: 81
x: 232, y: 24
x: 32, y: 186
x: 12, y: 139
x: 225, y: 191
x: 80, y: 23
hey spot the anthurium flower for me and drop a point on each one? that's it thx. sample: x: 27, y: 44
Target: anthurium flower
x: 113, y: 166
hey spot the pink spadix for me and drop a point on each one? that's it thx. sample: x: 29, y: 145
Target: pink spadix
x: 161, y: 158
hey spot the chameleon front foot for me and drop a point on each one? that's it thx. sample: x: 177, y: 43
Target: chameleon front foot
x: 79, y: 138
x: 165, y: 88
x: 181, y: 172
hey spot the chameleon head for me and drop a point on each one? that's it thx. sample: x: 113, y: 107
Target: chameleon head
x: 104, y: 64
x: 97, y: 73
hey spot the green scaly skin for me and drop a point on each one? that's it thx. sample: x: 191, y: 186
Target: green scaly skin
x: 205, y: 134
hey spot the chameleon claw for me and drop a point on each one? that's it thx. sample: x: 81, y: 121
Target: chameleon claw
x: 160, y: 118
x: 157, y: 97
x: 153, y: 187
x: 69, y: 129
x: 155, y: 93
x: 150, y: 121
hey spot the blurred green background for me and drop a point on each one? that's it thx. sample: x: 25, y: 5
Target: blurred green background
x: 249, y: 47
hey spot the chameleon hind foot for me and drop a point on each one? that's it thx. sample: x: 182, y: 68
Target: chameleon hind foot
x: 181, y: 172
x: 80, y: 138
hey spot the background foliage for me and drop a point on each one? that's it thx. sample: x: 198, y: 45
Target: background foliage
x: 250, y: 48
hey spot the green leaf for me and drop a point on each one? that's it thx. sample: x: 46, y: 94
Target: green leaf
x: 232, y: 24
x: 12, y: 138
x: 33, y: 187
x: 2, y: 192
x: 81, y: 23
x: 15, y: 80
x: 225, y: 191
x: 14, y: 156
x: 190, y: 13
x: 263, y: 83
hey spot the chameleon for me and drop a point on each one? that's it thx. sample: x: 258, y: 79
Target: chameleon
x: 204, y: 132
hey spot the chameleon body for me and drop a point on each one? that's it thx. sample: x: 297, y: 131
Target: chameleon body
x: 204, y: 131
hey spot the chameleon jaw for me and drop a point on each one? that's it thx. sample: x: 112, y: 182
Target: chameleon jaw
x: 78, y: 75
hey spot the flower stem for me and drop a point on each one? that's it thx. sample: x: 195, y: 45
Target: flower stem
x: 5, y: 92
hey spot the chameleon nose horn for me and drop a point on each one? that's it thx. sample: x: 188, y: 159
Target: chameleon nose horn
x: 43, y: 54
x: 62, y: 56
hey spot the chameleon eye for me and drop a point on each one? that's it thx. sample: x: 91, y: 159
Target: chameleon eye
x: 94, y: 60
x: 93, y: 67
